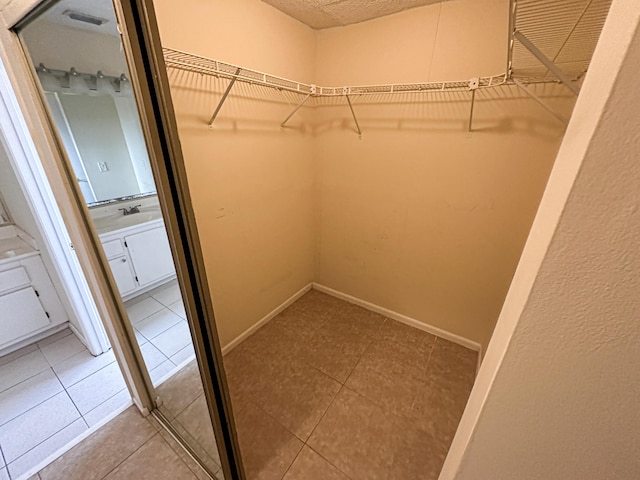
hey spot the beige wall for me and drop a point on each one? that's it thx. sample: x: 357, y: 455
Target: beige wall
x: 251, y: 183
x: 557, y: 395
x: 418, y: 216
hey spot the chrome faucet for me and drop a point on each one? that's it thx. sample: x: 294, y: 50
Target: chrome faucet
x: 130, y: 210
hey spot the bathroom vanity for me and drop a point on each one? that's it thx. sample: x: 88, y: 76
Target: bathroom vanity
x: 136, y: 247
x: 29, y: 304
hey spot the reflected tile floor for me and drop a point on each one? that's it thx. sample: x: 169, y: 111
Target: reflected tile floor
x: 54, y: 390
x: 326, y: 390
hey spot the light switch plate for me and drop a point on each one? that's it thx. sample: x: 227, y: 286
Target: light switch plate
x: 102, y: 167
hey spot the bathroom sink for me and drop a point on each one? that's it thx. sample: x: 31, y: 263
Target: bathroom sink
x: 117, y: 221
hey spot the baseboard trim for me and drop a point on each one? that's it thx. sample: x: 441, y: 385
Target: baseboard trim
x: 412, y: 322
x: 247, y: 333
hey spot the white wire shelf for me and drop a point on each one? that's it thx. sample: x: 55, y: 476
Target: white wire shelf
x: 206, y: 66
x: 189, y: 62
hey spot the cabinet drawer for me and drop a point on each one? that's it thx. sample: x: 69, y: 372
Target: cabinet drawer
x: 22, y: 314
x: 113, y: 248
x: 13, y: 279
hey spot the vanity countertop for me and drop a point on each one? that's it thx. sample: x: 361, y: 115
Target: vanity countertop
x: 111, y: 223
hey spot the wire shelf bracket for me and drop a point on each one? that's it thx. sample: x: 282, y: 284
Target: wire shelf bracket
x: 353, y: 112
x: 295, y: 110
x: 473, y: 86
x: 546, y: 62
x: 223, y: 99
x: 541, y: 101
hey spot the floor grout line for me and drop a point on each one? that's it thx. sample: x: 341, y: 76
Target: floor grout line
x: 4, y: 460
x: 129, y: 456
x: 48, y: 438
x: 37, y: 405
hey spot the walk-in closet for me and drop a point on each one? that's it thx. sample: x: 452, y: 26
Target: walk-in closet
x: 363, y: 185
x: 292, y: 226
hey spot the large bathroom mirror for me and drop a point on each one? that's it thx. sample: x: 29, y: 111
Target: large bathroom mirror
x: 92, y: 101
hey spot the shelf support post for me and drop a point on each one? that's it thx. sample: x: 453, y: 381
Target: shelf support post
x: 355, y: 119
x: 547, y: 62
x: 224, y: 98
x: 474, y: 84
x: 541, y: 101
x: 473, y: 101
x: 295, y: 110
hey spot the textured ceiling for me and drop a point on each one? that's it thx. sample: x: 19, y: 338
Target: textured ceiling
x: 334, y: 13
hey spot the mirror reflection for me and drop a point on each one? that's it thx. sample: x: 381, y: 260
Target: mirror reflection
x: 76, y: 51
x: 91, y: 100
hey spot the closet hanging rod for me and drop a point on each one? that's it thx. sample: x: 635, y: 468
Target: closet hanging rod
x: 205, y: 66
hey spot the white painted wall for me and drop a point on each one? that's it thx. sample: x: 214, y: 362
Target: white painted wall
x: 133, y: 136
x: 558, y: 393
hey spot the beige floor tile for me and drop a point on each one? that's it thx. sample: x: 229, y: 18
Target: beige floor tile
x: 178, y: 392
x: 186, y: 458
x: 335, y: 352
x: 195, y: 420
x: 453, y: 361
x: 297, y: 395
x: 368, y: 443
x: 409, y: 337
x: 417, y: 454
x: 351, y: 319
x: 300, y: 321
x: 355, y: 435
x: 100, y: 453
x: 267, y: 448
x: 439, y: 407
x: 311, y: 466
x: 394, y: 359
x: 155, y: 460
x: 272, y: 342
x: 317, y: 305
x: 394, y: 392
x: 394, y: 419
x: 247, y: 376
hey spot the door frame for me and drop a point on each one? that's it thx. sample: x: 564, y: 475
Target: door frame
x: 143, y: 48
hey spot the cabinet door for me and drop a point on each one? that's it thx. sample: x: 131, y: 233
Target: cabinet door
x: 122, y: 274
x: 20, y: 314
x: 151, y: 255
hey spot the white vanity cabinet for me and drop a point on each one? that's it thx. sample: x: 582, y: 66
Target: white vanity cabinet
x: 29, y: 303
x: 139, y: 256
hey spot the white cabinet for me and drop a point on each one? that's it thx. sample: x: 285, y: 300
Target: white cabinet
x: 123, y: 275
x: 29, y: 304
x: 151, y: 255
x: 22, y: 314
x: 139, y: 256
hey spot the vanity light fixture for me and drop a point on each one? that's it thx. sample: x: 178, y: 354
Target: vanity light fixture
x: 84, y: 17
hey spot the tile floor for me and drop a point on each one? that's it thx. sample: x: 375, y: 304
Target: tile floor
x: 326, y: 390
x: 54, y: 390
